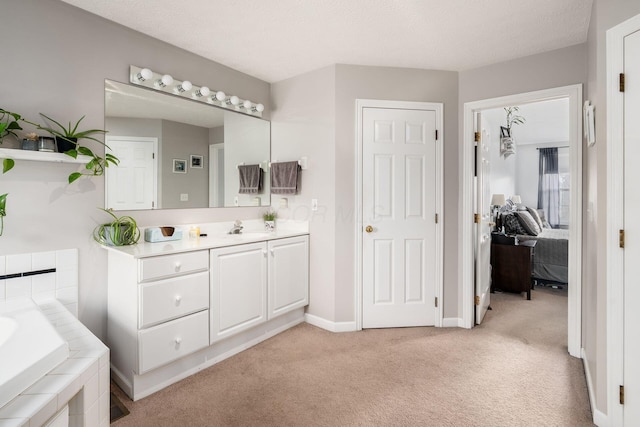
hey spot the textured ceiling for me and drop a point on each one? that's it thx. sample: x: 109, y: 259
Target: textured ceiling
x: 277, y: 39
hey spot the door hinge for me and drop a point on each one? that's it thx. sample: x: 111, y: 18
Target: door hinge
x: 153, y: 155
x: 477, y: 300
x: 621, y: 82
x: 476, y: 218
x: 476, y: 136
x: 153, y: 204
x: 436, y: 301
x: 436, y: 218
x: 622, y: 395
x: 436, y: 134
x: 622, y: 239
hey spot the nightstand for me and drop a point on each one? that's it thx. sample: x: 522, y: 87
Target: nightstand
x: 511, y: 266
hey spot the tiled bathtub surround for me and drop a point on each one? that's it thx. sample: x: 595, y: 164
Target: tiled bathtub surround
x: 61, y: 284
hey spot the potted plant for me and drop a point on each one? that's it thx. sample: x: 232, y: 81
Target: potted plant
x: 3, y: 211
x: 67, y: 138
x: 269, y: 220
x: 122, y: 231
x: 507, y: 143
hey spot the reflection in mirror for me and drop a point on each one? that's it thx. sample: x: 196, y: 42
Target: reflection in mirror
x: 175, y: 153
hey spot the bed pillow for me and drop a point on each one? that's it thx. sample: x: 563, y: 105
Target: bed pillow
x: 528, y: 223
x: 536, y: 217
x: 512, y: 224
x: 545, y: 223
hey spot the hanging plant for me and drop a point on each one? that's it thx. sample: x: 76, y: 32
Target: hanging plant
x: 3, y: 211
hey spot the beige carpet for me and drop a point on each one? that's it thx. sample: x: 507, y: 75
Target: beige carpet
x: 513, y: 370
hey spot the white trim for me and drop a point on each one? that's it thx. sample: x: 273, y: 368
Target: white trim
x: 574, y: 93
x: 408, y: 105
x: 452, y: 322
x: 599, y: 418
x: 615, y: 216
x: 328, y: 325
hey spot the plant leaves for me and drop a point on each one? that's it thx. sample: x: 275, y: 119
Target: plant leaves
x: 86, y: 151
x: 7, y: 165
x: 74, y: 176
x: 14, y: 126
x: 72, y: 153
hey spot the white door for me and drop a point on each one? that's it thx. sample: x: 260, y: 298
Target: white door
x: 216, y: 175
x: 483, y: 224
x: 399, y: 248
x: 631, y: 367
x: 132, y: 184
x: 238, y: 289
x: 288, y: 275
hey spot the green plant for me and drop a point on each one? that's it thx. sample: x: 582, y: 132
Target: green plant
x: 269, y: 215
x: 513, y: 118
x: 70, y: 133
x: 3, y: 211
x: 122, y: 231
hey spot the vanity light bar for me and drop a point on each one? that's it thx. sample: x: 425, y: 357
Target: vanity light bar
x: 165, y: 83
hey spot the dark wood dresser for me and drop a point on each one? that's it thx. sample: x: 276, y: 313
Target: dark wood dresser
x: 511, y: 265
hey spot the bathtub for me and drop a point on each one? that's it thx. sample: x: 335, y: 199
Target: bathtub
x: 30, y: 347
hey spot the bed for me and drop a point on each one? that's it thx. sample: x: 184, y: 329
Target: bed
x: 551, y: 254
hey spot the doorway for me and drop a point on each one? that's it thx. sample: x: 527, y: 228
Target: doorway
x: 467, y: 257
x: 399, y: 210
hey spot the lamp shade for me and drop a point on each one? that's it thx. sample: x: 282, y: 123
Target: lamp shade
x: 516, y: 199
x: 497, y: 200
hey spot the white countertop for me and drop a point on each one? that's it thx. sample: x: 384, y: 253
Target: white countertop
x: 217, y: 237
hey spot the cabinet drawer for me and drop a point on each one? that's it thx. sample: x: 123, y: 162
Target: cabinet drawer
x: 172, y: 340
x: 172, y: 265
x: 172, y: 298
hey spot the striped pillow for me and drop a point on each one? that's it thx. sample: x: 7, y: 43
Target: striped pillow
x: 528, y: 223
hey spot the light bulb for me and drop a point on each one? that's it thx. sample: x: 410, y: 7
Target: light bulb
x: 203, y: 91
x: 259, y: 108
x: 234, y: 100
x: 186, y: 85
x: 247, y: 104
x: 220, y: 96
x: 144, y: 74
x: 166, y: 80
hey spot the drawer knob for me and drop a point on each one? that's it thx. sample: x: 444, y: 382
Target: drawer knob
x: 178, y: 299
x: 178, y: 341
x: 178, y: 266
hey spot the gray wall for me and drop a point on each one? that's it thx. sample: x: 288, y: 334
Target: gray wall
x: 57, y: 61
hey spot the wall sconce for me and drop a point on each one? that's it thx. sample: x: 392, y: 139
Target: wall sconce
x: 166, y: 83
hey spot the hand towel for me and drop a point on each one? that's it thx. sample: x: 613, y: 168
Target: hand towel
x: 284, y: 177
x: 250, y: 179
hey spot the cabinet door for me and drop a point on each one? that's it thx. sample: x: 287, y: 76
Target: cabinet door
x: 238, y: 289
x: 288, y: 275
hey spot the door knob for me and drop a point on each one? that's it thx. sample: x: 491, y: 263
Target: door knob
x: 368, y: 229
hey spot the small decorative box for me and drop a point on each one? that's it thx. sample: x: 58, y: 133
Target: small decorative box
x: 162, y: 234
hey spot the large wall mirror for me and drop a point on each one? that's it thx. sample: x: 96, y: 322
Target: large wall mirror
x: 177, y: 153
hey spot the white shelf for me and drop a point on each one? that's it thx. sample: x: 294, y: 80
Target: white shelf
x: 40, y: 156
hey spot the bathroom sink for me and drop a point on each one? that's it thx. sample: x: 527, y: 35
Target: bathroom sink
x: 250, y: 235
x: 29, y: 347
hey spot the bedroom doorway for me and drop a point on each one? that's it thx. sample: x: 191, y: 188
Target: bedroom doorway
x: 571, y: 210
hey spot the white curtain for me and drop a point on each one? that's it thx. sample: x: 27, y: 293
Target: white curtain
x: 549, y: 185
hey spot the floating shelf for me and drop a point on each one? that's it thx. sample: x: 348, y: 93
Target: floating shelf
x: 40, y: 156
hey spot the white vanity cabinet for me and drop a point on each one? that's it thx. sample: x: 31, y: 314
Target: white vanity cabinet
x: 288, y: 275
x: 238, y: 288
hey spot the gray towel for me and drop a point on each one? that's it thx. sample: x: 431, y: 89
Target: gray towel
x: 284, y: 177
x: 250, y: 179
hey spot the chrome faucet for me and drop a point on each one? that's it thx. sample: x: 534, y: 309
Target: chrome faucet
x: 237, y: 227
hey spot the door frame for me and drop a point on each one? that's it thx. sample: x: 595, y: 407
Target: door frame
x: 403, y: 105
x: 466, y: 224
x: 615, y: 216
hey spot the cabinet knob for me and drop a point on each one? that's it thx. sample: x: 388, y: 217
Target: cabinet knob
x: 178, y: 340
x: 178, y: 299
x: 264, y: 253
x: 178, y: 266
x: 273, y: 252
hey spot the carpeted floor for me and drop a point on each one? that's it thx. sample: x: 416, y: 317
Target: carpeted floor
x: 513, y: 370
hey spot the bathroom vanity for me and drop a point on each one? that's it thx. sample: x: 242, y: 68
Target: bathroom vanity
x: 176, y: 308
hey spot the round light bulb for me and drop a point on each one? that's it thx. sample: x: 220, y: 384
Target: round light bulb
x: 221, y: 96
x: 145, y: 74
x: 166, y: 80
x: 186, y: 85
x: 203, y: 91
x: 234, y: 100
x: 247, y: 104
x: 259, y: 108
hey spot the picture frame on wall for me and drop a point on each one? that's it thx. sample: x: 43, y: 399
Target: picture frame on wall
x: 197, y: 161
x: 179, y: 166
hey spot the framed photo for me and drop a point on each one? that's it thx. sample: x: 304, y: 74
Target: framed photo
x: 179, y: 166
x: 196, y: 161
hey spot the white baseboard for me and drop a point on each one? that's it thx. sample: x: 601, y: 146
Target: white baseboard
x: 599, y: 418
x: 452, y: 322
x: 329, y: 325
